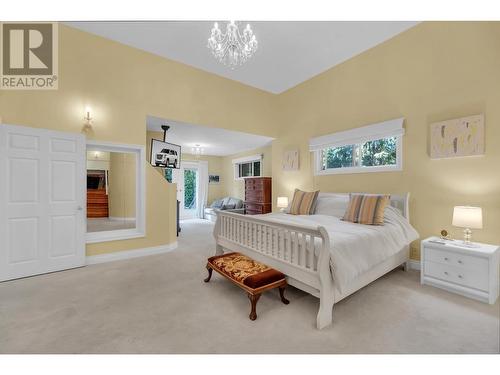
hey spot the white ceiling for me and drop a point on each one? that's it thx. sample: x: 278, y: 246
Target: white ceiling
x: 289, y: 52
x: 214, y: 141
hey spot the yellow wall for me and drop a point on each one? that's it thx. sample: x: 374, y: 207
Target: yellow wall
x: 123, y: 85
x: 122, y: 175
x: 236, y: 188
x: 435, y: 71
x: 215, y: 166
x: 97, y: 160
x: 221, y: 165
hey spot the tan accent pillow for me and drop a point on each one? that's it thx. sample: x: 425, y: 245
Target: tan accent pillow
x: 367, y: 209
x: 352, y: 211
x: 303, y: 202
x: 372, y: 209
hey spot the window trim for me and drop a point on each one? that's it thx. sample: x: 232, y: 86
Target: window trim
x: 140, y: 191
x: 244, y: 160
x: 356, y: 136
x: 385, y: 129
x: 398, y: 167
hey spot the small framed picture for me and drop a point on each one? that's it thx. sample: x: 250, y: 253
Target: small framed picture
x: 214, y: 179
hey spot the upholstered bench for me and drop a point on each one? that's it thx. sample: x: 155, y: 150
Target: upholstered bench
x: 250, y: 275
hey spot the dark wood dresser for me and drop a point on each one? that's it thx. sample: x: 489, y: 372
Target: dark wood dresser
x: 258, y: 195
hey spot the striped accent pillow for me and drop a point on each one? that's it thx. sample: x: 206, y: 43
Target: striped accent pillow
x: 303, y: 202
x: 367, y: 209
x: 352, y: 211
x: 372, y: 209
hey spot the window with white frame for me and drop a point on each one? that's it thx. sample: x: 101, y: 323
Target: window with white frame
x: 249, y: 166
x: 372, y: 148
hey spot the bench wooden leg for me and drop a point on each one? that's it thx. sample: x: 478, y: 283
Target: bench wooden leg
x: 282, y: 295
x: 209, y: 269
x: 253, y: 299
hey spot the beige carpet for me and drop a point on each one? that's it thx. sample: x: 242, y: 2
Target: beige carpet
x: 160, y: 304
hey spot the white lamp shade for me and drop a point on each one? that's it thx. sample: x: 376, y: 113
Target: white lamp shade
x: 468, y: 217
x: 282, y: 202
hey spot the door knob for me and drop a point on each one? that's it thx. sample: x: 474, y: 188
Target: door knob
x: 79, y: 208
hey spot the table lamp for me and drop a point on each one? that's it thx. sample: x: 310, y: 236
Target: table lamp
x: 282, y: 203
x: 467, y: 217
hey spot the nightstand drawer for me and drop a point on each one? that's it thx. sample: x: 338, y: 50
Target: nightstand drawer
x: 477, y: 264
x: 458, y: 275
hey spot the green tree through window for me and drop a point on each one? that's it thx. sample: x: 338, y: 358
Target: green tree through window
x: 189, y: 189
x: 379, y: 152
x: 168, y: 174
x: 338, y: 157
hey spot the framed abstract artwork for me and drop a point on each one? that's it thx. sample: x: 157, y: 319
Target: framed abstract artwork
x: 459, y: 137
x: 290, y: 160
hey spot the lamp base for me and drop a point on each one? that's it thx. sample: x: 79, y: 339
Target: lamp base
x: 467, y: 235
x: 467, y: 238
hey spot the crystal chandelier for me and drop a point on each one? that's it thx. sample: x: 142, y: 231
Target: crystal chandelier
x: 232, y: 48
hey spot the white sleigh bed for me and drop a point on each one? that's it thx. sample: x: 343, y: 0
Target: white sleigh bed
x: 304, y: 249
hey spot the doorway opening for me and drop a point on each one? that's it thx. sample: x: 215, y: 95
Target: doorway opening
x: 188, y: 184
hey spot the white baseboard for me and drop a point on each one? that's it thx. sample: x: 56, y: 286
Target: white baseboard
x: 414, y: 264
x: 129, y: 254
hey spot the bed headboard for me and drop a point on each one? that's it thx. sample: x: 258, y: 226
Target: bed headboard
x: 399, y: 201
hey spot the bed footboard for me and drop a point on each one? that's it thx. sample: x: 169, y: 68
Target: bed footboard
x: 300, y: 252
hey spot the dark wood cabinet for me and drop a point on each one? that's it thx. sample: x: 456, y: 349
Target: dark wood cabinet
x: 258, y: 195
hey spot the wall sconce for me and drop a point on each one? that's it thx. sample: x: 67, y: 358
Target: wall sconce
x: 88, y: 119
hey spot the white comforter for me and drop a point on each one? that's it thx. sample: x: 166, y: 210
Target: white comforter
x: 355, y: 248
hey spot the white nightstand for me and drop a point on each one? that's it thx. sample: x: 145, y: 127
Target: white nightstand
x: 469, y: 271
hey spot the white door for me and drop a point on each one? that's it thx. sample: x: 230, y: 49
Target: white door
x: 178, y: 179
x: 186, y: 179
x: 42, y: 201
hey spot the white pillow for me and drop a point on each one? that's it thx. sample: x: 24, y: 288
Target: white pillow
x: 332, y: 204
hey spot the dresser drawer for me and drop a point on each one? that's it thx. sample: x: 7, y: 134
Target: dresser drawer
x: 255, y: 197
x: 253, y: 207
x: 442, y: 256
x: 458, y: 275
x: 251, y: 188
x: 254, y: 182
x: 257, y: 208
x: 253, y: 212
